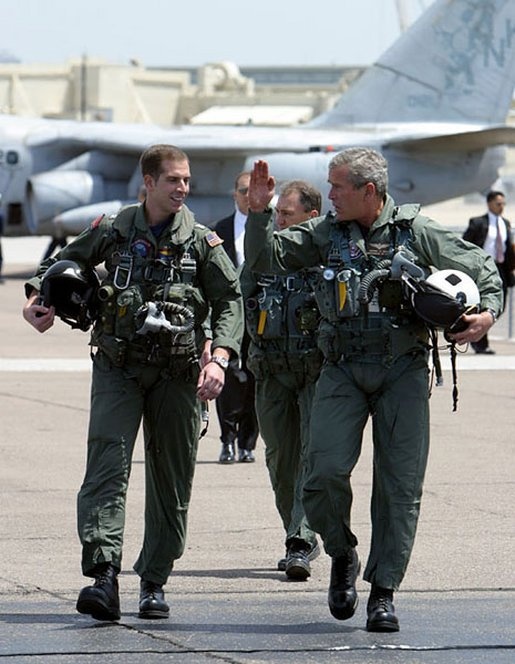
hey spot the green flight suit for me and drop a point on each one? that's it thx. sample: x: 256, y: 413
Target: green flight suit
x: 150, y: 378
x: 285, y: 361
x: 376, y: 366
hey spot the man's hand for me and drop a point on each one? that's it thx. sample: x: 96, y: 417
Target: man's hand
x: 261, y: 187
x: 39, y: 316
x: 212, y: 376
x: 210, y: 381
x: 477, y: 326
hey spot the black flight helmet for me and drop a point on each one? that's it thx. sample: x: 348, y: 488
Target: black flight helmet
x: 72, y: 290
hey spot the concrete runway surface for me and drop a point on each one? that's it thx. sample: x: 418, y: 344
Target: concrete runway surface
x: 228, y: 602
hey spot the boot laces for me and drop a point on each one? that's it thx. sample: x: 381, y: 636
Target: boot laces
x: 153, y: 589
x: 299, y: 546
x: 105, y: 577
x: 382, y: 598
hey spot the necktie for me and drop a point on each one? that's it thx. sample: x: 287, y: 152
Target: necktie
x: 499, y: 244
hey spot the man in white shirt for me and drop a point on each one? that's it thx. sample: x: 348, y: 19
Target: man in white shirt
x: 235, y: 405
x: 493, y: 233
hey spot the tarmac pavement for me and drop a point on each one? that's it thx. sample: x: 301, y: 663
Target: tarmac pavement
x: 228, y: 601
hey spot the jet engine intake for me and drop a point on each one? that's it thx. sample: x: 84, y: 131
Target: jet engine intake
x: 53, y: 192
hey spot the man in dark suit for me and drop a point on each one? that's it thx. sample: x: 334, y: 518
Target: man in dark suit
x: 493, y: 233
x: 235, y: 405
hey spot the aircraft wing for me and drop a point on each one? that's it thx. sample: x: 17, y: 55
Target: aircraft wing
x: 468, y: 141
x: 197, y: 141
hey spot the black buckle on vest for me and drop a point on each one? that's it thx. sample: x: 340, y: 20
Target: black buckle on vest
x: 157, y: 272
x: 188, y: 265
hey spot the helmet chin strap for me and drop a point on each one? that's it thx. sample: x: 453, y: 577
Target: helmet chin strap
x: 454, y: 377
x: 437, y: 366
x: 436, y: 357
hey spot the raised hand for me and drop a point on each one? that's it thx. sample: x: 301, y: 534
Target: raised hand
x: 261, y: 187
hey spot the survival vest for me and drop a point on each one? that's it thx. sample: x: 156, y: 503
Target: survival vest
x: 384, y: 327
x: 282, y: 319
x: 282, y: 315
x: 139, y: 275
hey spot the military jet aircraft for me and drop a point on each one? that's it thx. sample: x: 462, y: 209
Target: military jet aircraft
x: 435, y: 104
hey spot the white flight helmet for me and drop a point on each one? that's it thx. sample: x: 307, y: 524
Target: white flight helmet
x: 444, y: 297
x: 456, y: 283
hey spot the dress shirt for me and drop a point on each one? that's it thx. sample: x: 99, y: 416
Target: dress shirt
x: 490, y: 241
x: 239, y: 233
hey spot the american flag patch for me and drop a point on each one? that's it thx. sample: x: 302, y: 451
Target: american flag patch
x: 213, y: 239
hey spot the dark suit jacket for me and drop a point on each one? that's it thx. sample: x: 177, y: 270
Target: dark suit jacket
x: 476, y: 233
x: 238, y: 393
x: 225, y: 229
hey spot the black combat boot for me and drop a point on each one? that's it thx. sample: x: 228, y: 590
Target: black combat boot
x: 281, y: 563
x: 381, y: 611
x: 298, y: 558
x: 227, y: 454
x: 152, y: 601
x: 101, y: 600
x: 343, y: 598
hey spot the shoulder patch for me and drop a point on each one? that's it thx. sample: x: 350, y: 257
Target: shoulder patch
x: 96, y: 222
x: 213, y: 239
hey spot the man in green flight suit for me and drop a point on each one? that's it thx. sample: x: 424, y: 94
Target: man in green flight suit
x: 164, y: 273
x: 376, y: 362
x: 282, y: 320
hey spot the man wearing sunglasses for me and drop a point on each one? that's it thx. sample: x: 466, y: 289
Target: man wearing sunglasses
x: 235, y: 405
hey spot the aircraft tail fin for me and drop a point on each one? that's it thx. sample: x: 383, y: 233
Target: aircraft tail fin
x: 455, y: 63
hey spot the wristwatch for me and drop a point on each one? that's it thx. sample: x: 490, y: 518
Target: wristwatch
x: 492, y: 314
x: 221, y: 361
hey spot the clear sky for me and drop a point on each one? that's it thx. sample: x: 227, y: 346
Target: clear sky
x: 194, y: 32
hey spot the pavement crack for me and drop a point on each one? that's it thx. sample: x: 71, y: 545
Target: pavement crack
x: 44, y: 402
